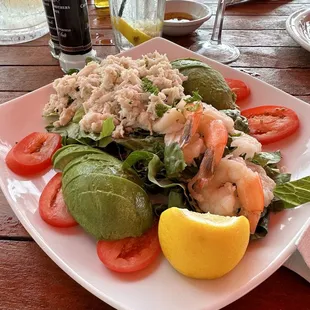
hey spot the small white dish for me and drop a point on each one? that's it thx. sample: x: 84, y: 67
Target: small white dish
x: 298, y: 27
x: 199, y: 11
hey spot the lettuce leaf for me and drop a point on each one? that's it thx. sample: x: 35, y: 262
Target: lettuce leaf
x: 72, y: 134
x: 240, y: 122
x: 107, y: 128
x: 266, y: 158
x: 269, y: 161
x: 156, y: 174
x: 262, y: 226
x: 174, y: 160
x: 78, y: 115
x: 175, y: 199
x: 293, y: 194
x: 151, y: 144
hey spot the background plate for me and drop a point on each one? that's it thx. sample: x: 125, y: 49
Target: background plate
x: 160, y: 286
x: 298, y: 27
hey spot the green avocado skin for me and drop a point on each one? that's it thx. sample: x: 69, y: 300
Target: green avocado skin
x: 210, y: 84
x: 106, y: 200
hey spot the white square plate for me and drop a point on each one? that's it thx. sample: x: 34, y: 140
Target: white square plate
x: 160, y: 286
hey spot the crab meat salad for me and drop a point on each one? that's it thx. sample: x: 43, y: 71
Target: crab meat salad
x: 156, y: 156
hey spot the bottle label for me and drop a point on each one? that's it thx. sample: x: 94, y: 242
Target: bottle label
x: 73, y: 26
x: 51, y: 20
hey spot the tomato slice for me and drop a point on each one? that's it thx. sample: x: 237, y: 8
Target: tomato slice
x: 270, y: 123
x: 33, y: 153
x: 52, y: 207
x: 239, y: 88
x: 130, y: 254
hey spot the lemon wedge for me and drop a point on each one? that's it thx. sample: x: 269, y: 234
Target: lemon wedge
x: 202, y: 246
x: 133, y: 35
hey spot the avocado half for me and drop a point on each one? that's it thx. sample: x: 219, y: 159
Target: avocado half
x: 106, y: 200
x: 210, y: 84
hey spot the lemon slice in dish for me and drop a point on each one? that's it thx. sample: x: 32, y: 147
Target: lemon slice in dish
x: 202, y: 246
x: 133, y: 35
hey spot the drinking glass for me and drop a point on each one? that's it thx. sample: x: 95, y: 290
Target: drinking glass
x: 102, y: 4
x: 214, y: 48
x: 21, y: 21
x: 136, y: 21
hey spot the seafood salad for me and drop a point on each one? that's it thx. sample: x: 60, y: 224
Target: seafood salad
x: 149, y: 152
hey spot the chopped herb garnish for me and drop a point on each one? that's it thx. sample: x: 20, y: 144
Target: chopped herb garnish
x: 71, y: 71
x: 192, y: 107
x: 195, y: 97
x: 149, y: 87
x: 161, y: 109
x: 90, y: 59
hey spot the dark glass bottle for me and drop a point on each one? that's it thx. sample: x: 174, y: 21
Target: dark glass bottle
x: 73, y: 33
x: 54, y: 41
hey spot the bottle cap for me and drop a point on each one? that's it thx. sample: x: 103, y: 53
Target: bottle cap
x: 68, y: 62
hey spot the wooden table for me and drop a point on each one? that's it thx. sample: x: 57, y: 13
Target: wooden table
x: 28, y: 278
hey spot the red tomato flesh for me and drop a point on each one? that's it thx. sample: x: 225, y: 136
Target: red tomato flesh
x: 33, y: 153
x: 239, y: 88
x: 130, y: 254
x: 269, y: 124
x: 52, y: 207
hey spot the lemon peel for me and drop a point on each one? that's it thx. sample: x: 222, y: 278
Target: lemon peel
x: 202, y: 246
x: 133, y: 35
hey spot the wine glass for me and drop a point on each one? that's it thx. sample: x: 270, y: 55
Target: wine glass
x: 214, y: 48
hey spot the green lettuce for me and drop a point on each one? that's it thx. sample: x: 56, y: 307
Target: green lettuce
x: 269, y: 161
x: 262, y: 226
x: 240, y: 122
x: 73, y: 134
x: 175, y: 199
x: 293, y: 194
x: 156, y: 174
x: 78, y: 115
x: 151, y: 144
x: 174, y: 160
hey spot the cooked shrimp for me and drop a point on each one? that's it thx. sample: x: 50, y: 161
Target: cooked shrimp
x: 267, y: 182
x: 201, y: 133
x: 171, y: 122
x: 245, y: 144
x: 211, y: 113
x: 233, y: 189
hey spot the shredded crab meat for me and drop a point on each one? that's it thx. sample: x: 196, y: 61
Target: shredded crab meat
x: 114, y: 88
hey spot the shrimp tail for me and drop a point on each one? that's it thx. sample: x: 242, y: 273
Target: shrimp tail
x: 203, y: 175
x: 190, y: 128
x: 250, y: 192
x: 187, y: 133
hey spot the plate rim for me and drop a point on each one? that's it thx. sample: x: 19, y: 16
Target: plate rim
x: 233, y: 296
